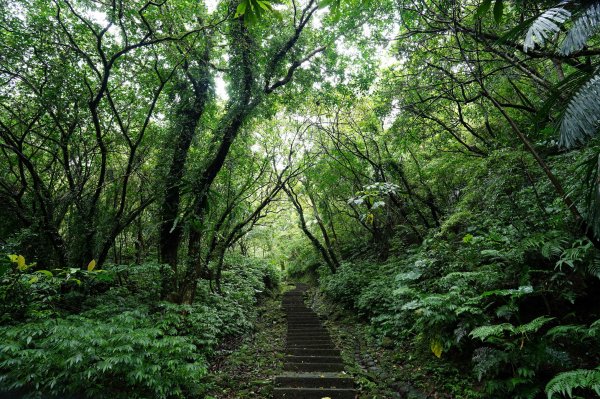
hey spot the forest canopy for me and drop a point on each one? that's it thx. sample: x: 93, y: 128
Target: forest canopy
x: 429, y: 166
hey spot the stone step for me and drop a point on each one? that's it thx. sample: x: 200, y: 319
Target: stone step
x: 310, y: 321
x: 315, y: 326
x: 313, y: 359
x: 308, y: 338
x: 304, y: 342
x: 313, y: 393
x: 313, y: 352
x: 312, y: 380
x: 292, y: 311
x: 307, y: 330
x: 314, y: 334
x: 313, y: 367
x: 311, y: 346
x: 312, y: 331
x: 300, y: 319
x: 295, y: 313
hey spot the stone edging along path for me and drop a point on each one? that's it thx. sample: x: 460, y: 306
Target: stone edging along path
x: 313, y: 368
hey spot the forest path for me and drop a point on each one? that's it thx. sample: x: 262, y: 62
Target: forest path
x: 313, y: 368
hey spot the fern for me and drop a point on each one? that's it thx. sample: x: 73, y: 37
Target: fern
x: 533, y: 326
x: 485, y: 332
x: 546, y: 24
x: 488, y: 361
x: 568, y: 331
x: 594, y: 268
x: 564, y: 383
x: 580, y: 120
x: 498, y: 330
x: 581, y: 31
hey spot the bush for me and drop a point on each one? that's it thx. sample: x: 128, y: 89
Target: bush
x: 124, y: 356
x: 121, y: 342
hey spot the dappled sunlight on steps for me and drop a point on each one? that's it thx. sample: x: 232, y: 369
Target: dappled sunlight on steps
x: 313, y: 368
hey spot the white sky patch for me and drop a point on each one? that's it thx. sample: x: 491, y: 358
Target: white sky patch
x: 389, y: 120
x: 221, y: 88
x: 211, y: 5
x: 317, y: 20
x: 100, y: 18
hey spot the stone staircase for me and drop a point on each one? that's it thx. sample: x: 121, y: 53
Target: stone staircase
x: 313, y: 366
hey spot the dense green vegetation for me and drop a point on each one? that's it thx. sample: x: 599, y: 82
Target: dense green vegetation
x: 430, y: 166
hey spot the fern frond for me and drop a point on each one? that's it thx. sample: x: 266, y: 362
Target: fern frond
x: 533, y: 326
x: 567, y: 331
x: 594, y: 269
x: 488, y: 361
x: 581, y: 117
x: 583, y: 28
x: 564, y: 383
x: 546, y: 24
x: 496, y: 330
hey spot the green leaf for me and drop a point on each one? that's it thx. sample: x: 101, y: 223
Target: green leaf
x: 436, y: 347
x: 45, y: 273
x: 21, y: 263
x: 241, y: 9
x: 498, y: 11
x: 265, y: 5
x: 91, y: 265
x: 327, y: 3
x: 483, y: 8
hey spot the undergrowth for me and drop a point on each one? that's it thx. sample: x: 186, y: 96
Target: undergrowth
x: 119, y: 342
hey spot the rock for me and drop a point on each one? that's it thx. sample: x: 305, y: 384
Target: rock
x: 387, y: 343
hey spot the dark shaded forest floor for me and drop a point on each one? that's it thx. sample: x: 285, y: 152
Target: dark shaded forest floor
x: 245, y: 368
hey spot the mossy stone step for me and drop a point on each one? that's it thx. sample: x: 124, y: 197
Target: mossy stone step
x: 306, y: 328
x: 308, y: 341
x: 313, y: 352
x: 307, y: 319
x: 313, y: 367
x: 313, y: 393
x: 303, y: 332
x: 314, y: 380
x: 311, y: 346
x: 300, y: 319
x: 313, y: 359
x: 319, y: 334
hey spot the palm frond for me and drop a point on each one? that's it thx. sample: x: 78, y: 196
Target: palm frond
x: 583, y: 28
x: 582, y: 114
x: 561, y: 91
x: 546, y: 24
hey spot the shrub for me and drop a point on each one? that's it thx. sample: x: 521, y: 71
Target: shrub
x: 124, y: 356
